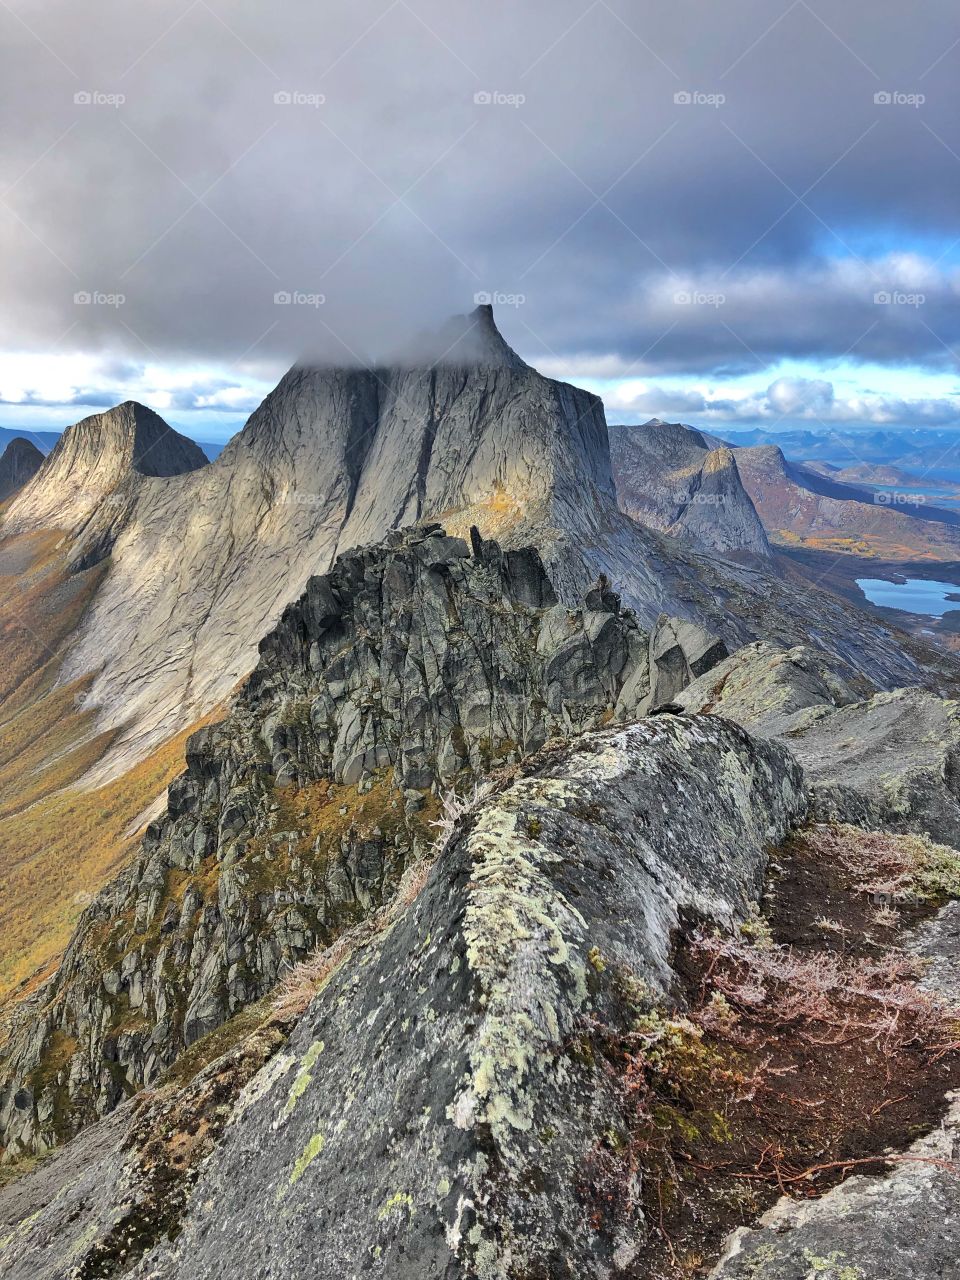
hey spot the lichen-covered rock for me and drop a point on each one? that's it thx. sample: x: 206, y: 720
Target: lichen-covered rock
x: 96, y: 1206
x: 440, y: 1110
x: 891, y: 762
x: 414, y: 664
x: 763, y: 687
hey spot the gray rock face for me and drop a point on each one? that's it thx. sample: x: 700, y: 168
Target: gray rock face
x: 763, y: 688
x: 435, y: 1118
x: 95, y: 463
x: 686, y: 484
x: 410, y: 666
x: 892, y: 761
x: 19, y: 463
x: 680, y: 653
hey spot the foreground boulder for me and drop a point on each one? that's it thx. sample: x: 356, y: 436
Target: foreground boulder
x: 439, y: 1108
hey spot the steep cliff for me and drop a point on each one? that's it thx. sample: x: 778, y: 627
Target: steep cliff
x: 687, y: 484
x: 202, y: 564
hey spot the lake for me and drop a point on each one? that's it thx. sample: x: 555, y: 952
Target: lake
x: 916, y: 595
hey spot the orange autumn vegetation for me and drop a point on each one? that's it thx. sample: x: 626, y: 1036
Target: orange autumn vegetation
x: 58, y: 843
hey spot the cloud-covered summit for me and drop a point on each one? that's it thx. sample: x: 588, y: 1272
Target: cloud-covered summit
x: 237, y: 185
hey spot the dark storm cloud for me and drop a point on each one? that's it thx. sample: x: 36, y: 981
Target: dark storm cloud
x: 236, y: 182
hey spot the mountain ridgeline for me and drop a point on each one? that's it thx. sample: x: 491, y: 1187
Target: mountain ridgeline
x: 204, y: 556
x: 553, y: 843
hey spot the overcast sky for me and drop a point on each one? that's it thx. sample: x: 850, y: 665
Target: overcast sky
x: 732, y: 212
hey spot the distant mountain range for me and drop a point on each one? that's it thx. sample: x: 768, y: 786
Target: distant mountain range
x: 816, y: 505
x: 917, y: 450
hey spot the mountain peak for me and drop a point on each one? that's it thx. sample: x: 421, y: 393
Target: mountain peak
x: 464, y: 341
x: 93, y: 458
x: 19, y: 463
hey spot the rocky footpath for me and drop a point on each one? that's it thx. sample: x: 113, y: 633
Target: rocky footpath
x: 411, y: 667
x: 902, y: 1224
x: 439, y: 1110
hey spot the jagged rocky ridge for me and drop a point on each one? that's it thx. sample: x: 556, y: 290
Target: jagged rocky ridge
x: 437, y: 1110
x: 202, y: 564
x: 411, y: 665
x: 20, y: 462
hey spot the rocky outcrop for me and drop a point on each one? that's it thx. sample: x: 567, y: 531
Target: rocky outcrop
x: 891, y: 761
x: 440, y: 1108
x: 763, y: 688
x: 412, y: 666
x: 19, y: 463
x: 680, y: 653
x: 686, y: 484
